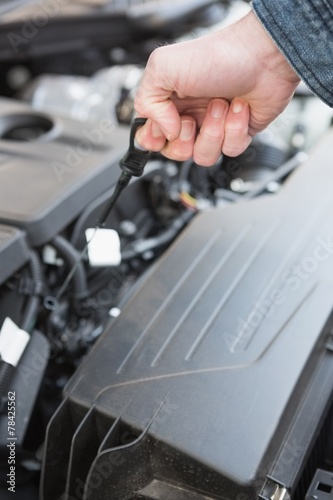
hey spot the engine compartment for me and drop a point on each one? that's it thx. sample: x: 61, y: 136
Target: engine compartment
x: 199, y: 364
x: 177, y: 373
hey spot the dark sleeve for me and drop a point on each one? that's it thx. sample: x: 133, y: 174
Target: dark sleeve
x: 303, y: 31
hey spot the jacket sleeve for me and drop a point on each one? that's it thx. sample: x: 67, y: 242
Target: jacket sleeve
x: 303, y: 31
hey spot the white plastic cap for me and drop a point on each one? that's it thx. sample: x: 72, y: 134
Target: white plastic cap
x: 103, y: 247
x: 13, y: 342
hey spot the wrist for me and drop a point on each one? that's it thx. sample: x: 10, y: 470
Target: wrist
x: 255, y: 37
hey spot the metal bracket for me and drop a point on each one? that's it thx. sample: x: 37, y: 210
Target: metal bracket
x: 274, y: 491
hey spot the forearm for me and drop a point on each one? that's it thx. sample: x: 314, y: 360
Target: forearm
x: 303, y: 31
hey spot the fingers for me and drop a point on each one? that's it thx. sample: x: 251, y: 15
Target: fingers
x: 237, y: 137
x: 225, y: 128
x: 150, y: 136
x: 208, y: 145
x: 181, y: 149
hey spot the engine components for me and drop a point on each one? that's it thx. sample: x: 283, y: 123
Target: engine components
x: 216, y: 379
x: 212, y: 373
x: 55, y: 167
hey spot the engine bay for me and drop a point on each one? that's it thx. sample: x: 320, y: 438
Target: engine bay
x: 193, y: 359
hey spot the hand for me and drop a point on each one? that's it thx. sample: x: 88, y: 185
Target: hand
x: 213, y: 94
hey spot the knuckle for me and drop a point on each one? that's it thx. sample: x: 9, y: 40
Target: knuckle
x: 211, y: 134
x: 155, y: 60
x: 139, y: 102
x: 153, y: 57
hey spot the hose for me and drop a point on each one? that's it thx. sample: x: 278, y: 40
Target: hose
x: 73, y: 258
x: 31, y: 310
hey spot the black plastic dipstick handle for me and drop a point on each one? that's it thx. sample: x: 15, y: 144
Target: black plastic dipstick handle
x: 134, y: 160
x: 132, y: 165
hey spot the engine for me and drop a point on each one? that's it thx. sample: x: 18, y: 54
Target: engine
x: 190, y: 356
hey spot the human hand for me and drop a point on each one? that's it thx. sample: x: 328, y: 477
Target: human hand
x: 213, y: 94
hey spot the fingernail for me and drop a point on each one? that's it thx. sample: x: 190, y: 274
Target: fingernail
x: 238, y: 105
x: 217, y: 109
x: 187, y: 130
x: 156, y: 131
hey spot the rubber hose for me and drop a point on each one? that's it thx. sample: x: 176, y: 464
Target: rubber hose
x: 72, y: 256
x: 31, y: 310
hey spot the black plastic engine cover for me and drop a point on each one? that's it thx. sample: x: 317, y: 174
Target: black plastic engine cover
x: 14, y: 252
x: 51, y: 168
x: 215, y: 380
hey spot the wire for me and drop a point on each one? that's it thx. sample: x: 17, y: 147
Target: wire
x: 188, y: 201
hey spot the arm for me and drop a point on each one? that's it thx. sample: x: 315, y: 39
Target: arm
x: 303, y: 31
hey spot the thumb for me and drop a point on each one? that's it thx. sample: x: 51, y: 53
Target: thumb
x: 155, y: 102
